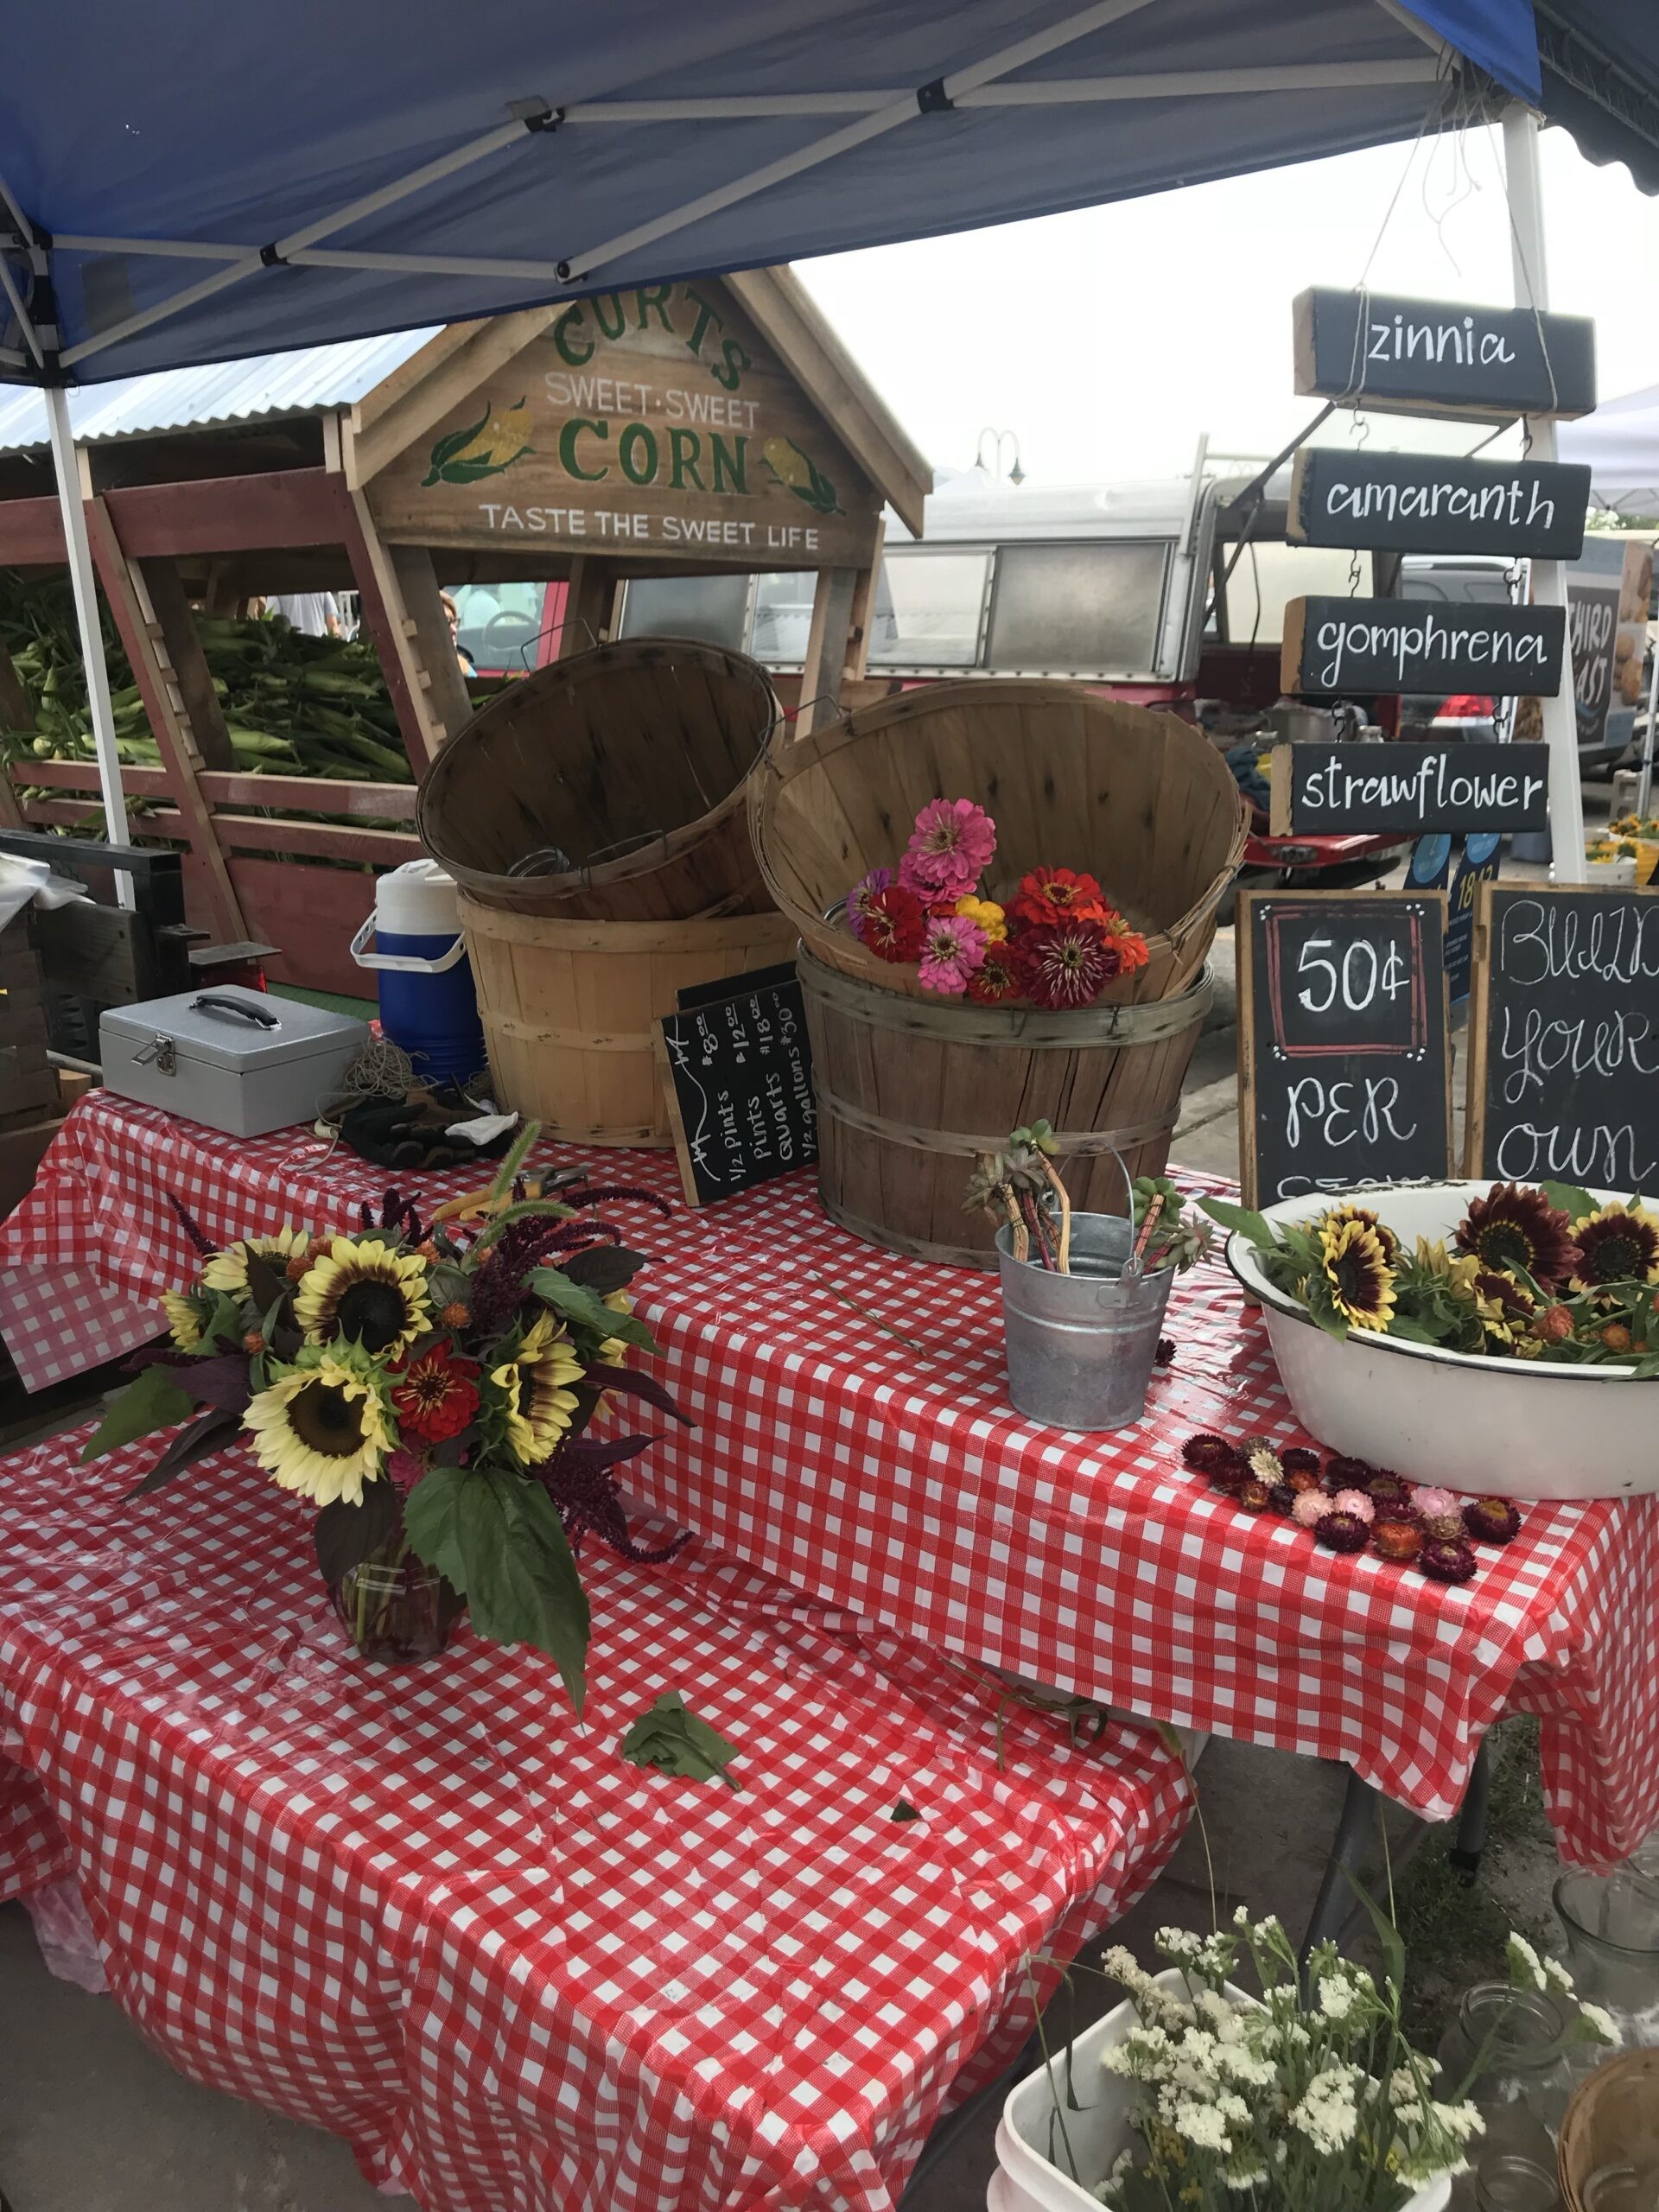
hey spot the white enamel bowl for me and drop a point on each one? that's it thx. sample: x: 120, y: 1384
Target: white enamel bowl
x: 1514, y: 1428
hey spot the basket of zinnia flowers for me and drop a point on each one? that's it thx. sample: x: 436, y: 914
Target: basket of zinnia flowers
x: 425, y: 1387
x: 1005, y: 893
x: 1489, y: 1336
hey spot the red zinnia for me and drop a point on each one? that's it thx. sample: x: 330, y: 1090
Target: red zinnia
x: 1048, y: 895
x: 894, y: 922
x: 997, y: 978
x: 435, y: 1397
x: 1067, y: 965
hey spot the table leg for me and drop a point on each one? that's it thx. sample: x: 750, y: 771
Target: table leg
x: 1465, y: 1851
x: 1331, y: 1906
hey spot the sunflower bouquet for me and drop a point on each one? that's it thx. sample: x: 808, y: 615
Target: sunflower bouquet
x: 1052, y: 939
x: 426, y: 1387
x: 1543, y: 1273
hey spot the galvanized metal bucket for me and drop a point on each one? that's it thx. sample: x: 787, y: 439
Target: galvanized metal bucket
x: 1081, y: 1346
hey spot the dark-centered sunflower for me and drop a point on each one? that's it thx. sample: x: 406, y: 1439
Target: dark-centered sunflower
x: 366, y: 1291
x: 1357, y: 1271
x: 1385, y: 1235
x: 1618, y: 1244
x: 1515, y: 1227
x: 533, y: 1387
x: 1506, y: 1308
x: 320, y: 1429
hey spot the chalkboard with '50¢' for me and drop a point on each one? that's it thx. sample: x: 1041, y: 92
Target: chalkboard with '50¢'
x: 738, y: 1067
x: 1564, y: 1037
x: 1344, y: 1066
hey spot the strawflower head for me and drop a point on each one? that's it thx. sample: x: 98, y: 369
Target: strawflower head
x: 949, y: 849
x: 859, y: 898
x: 953, y: 949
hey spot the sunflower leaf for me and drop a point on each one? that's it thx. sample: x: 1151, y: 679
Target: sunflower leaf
x: 151, y: 1400
x: 671, y: 1738
x: 346, y: 1535
x: 603, y: 1267
x: 215, y: 1428
x: 267, y: 1287
x: 584, y: 1308
x: 1254, y: 1226
x: 1570, y: 1200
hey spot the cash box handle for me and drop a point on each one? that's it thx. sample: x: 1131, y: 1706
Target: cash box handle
x: 213, y: 1002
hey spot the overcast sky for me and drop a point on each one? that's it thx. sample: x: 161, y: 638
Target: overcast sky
x: 1109, y: 339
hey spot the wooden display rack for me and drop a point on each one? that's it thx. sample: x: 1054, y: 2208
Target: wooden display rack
x: 659, y: 430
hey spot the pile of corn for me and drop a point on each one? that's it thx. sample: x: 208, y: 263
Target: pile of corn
x: 293, y: 705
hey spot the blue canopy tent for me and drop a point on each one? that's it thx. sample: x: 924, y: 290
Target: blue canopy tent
x: 185, y: 183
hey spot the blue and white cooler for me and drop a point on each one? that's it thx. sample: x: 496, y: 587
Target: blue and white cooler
x: 428, y: 1008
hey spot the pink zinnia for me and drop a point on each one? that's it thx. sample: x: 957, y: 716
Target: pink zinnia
x: 949, y: 849
x: 1310, y: 1505
x: 859, y: 898
x: 1356, y: 1503
x: 953, y: 949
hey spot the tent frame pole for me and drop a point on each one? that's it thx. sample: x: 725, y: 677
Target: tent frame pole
x: 66, y: 464
x: 1523, y: 185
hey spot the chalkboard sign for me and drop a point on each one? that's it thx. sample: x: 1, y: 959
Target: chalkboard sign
x: 1344, y: 1069
x: 1372, y: 646
x: 1564, y: 1037
x: 1435, y: 503
x: 1342, y: 790
x: 738, y: 1067
x: 1592, y: 630
x: 1438, y: 357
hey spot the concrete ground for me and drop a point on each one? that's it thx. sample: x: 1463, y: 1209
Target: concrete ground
x: 93, y: 2120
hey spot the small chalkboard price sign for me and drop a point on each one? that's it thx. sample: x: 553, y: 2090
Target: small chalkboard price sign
x: 1440, y: 357
x: 737, y: 1064
x: 1344, y: 789
x: 1564, y: 1037
x: 1344, y: 1066
x: 1438, y: 503
x: 1344, y: 646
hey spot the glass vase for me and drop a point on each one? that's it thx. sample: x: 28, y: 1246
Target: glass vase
x: 1611, y: 1926
x: 395, y: 1608
x: 1521, y: 2039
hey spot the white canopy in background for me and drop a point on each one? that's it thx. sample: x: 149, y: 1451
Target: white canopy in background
x: 1620, y: 442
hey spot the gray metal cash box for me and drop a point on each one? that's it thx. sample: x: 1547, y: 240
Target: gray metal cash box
x: 240, y: 1060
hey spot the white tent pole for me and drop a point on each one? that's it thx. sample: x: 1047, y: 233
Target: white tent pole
x: 67, y: 466
x: 1523, y: 185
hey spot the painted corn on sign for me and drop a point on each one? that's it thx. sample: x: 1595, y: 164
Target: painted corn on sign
x: 650, y: 421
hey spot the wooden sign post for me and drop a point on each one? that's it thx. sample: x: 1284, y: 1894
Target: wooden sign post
x: 1564, y: 1037
x: 1380, y: 645
x: 737, y: 1064
x: 1436, y: 503
x: 1343, y: 790
x: 1437, y: 357
x: 1344, y: 1067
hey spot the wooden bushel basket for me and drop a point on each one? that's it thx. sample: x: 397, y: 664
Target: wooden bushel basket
x: 911, y: 1085
x: 568, y: 1008
x: 633, y: 759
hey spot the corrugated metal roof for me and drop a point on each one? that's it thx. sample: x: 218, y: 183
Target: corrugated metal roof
x: 227, y: 391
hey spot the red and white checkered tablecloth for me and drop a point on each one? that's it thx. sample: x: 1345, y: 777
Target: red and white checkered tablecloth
x: 427, y: 1909
x: 855, y: 1439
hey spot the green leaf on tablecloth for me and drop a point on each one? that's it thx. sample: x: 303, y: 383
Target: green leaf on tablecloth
x: 904, y: 1810
x: 151, y: 1400
x: 497, y: 1537
x: 345, y: 1536
x: 1575, y: 1203
x: 585, y: 1309
x: 673, y: 1739
x: 216, y: 1428
x: 1253, y: 1226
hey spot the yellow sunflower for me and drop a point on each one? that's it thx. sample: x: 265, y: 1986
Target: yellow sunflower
x: 538, y: 1405
x: 1357, y: 1270
x: 1457, y: 1274
x: 1338, y: 1215
x: 613, y: 1352
x: 185, y: 1317
x: 228, y: 1270
x: 367, y: 1292
x: 318, y: 1429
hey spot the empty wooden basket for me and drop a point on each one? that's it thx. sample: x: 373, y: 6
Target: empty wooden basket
x: 1613, y: 2120
x: 632, y: 760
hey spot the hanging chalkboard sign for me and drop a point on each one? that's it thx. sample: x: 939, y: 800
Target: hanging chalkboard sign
x: 1438, y: 503
x: 1367, y: 646
x: 1344, y: 1069
x: 1564, y: 1037
x: 738, y: 1067
x: 1343, y: 790
x: 1438, y: 357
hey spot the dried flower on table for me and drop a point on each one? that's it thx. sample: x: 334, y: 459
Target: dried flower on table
x: 1265, y: 1463
x: 1398, y: 1541
x: 1282, y: 1498
x: 1253, y: 1497
x: 1311, y: 1507
x: 1387, y: 1492
x: 1205, y: 1451
x: 1491, y: 1520
x: 1297, y: 1459
x: 1354, y: 1502
x: 1445, y: 1560
x: 1341, y: 1532
x: 1342, y: 1472
x: 1300, y: 1478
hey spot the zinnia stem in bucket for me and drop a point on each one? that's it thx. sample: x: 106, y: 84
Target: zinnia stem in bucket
x: 1057, y: 1185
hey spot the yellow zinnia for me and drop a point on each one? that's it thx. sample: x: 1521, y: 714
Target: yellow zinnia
x: 367, y: 1292
x: 318, y: 1429
x: 228, y: 1270
x: 538, y: 1407
x: 990, y: 916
